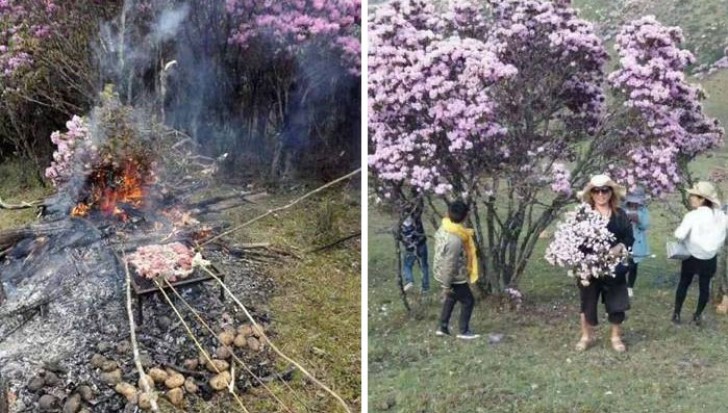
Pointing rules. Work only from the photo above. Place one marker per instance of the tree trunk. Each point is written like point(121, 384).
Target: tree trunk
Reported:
point(4, 408)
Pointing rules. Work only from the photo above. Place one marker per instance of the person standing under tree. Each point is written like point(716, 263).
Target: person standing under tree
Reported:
point(413, 238)
point(703, 232)
point(640, 218)
point(456, 264)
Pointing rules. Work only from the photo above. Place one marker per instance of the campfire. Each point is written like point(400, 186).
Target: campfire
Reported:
point(113, 187)
point(63, 283)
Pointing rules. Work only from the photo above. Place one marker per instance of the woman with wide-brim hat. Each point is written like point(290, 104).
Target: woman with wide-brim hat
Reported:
point(636, 208)
point(703, 232)
point(604, 195)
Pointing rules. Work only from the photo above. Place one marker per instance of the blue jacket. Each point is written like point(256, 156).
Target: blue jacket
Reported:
point(640, 248)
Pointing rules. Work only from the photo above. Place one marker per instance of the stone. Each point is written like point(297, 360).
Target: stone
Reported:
point(47, 403)
point(148, 380)
point(111, 378)
point(164, 323)
point(245, 330)
point(240, 341)
point(190, 386)
point(254, 344)
point(86, 393)
point(226, 338)
point(127, 390)
point(109, 365)
point(176, 396)
point(258, 330)
point(217, 366)
point(123, 348)
point(191, 364)
point(145, 401)
point(51, 379)
point(36, 383)
point(103, 347)
point(73, 404)
point(174, 380)
point(220, 381)
point(97, 360)
point(223, 353)
point(158, 375)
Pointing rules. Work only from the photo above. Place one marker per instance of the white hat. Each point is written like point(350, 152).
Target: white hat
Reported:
point(705, 190)
point(599, 181)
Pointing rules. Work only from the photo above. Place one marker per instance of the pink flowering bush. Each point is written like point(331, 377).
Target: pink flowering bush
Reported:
point(581, 243)
point(506, 102)
point(74, 149)
point(293, 24)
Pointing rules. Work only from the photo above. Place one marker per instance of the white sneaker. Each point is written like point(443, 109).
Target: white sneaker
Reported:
point(629, 292)
point(408, 286)
point(467, 335)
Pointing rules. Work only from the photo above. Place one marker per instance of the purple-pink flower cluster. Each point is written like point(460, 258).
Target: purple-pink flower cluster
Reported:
point(74, 149)
point(668, 121)
point(581, 244)
point(22, 25)
point(332, 24)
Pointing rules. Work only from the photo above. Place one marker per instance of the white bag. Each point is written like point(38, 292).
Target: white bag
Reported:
point(677, 250)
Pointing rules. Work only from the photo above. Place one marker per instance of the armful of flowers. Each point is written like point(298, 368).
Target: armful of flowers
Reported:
point(171, 261)
point(583, 244)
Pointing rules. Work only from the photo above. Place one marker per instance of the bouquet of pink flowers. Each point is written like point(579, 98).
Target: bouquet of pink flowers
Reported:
point(582, 244)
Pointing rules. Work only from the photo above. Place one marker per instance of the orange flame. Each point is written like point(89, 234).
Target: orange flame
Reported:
point(111, 186)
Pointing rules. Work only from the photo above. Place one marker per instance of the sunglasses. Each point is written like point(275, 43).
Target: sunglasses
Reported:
point(602, 190)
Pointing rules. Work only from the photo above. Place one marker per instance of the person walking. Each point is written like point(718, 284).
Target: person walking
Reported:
point(604, 196)
point(702, 232)
point(640, 219)
point(455, 265)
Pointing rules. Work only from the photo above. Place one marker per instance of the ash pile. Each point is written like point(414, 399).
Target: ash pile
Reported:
point(65, 342)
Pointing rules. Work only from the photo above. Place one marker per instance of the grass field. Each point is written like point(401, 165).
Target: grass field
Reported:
point(534, 368)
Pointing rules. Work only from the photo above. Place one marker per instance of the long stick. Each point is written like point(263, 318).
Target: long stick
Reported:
point(236, 358)
point(273, 346)
point(22, 205)
point(273, 211)
point(199, 346)
point(134, 347)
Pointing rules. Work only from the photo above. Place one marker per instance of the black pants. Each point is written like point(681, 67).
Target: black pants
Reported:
point(461, 292)
point(632, 274)
point(705, 269)
point(613, 292)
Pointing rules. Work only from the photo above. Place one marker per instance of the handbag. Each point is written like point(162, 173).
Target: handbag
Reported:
point(677, 250)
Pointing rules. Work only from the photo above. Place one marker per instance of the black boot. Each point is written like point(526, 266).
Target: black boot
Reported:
point(697, 320)
point(676, 318)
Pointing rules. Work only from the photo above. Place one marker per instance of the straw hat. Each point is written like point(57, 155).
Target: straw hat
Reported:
point(637, 196)
point(705, 190)
point(598, 181)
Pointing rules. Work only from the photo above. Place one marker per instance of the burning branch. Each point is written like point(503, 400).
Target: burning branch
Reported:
point(273, 211)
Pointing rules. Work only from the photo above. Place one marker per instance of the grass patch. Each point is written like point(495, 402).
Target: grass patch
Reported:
point(17, 184)
point(317, 304)
point(534, 368)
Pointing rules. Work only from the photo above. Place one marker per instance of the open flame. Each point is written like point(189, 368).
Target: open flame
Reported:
point(113, 186)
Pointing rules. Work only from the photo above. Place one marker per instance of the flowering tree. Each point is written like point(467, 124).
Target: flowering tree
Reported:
point(506, 106)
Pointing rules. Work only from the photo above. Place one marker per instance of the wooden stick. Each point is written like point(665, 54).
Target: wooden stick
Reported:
point(134, 346)
point(22, 205)
point(273, 211)
point(236, 358)
point(273, 346)
point(205, 354)
point(335, 243)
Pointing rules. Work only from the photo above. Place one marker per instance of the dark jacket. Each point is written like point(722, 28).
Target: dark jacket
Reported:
point(620, 225)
